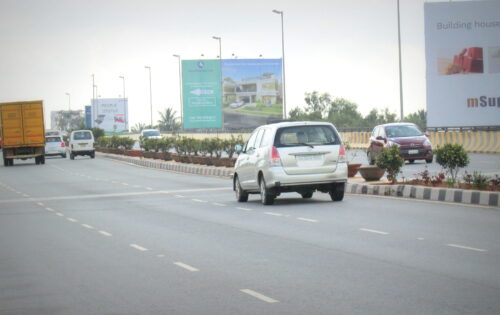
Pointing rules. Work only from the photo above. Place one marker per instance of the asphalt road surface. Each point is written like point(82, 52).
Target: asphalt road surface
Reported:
point(103, 237)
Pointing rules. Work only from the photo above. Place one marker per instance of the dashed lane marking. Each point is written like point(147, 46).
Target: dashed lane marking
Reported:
point(198, 200)
point(179, 196)
point(40, 204)
point(307, 220)
point(138, 247)
point(49, 209)
point(218, 204)
point(185, 266)
point(374, 231)
point(274, 214)
point(149, 188)
point(105, 233)
point(72, 220)
point(259, 296)
point(244, 209)
point(90, 227)
point(467, 247)
point(59, 214)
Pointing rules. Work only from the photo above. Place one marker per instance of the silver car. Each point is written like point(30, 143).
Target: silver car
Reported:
point(54, 145)
point(301, 157)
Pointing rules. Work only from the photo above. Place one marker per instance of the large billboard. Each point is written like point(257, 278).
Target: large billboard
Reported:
point(252, 92)
point(201, 91)
point(110, 114)
point(462, 41)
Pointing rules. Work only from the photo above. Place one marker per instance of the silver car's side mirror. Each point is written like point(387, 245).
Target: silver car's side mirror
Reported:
point(238, 148)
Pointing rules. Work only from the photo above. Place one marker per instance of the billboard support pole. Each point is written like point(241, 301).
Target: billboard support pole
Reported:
point(221, 83)
point(400, 67)
point(180, 91)
point(282, 60)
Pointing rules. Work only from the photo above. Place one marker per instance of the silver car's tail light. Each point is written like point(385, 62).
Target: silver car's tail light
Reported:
point(275, 157)
point(62, 145)
point(342, 154)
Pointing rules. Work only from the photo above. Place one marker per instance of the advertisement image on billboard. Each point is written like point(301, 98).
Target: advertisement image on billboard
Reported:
point(110, 114)
point(462, 43)
point(251, 92)
point(201, 91)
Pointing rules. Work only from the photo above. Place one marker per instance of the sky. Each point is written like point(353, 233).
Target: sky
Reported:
point(348, 49)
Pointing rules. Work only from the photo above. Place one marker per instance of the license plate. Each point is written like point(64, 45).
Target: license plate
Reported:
point(412, 151)
point(315, 157)
point(83, 144)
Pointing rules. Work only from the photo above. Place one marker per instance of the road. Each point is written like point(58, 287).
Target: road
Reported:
point(103, 237)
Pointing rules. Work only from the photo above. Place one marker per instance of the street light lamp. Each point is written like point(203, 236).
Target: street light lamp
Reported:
point(221, 87)
point(150, 94)
point(180, 89)
point(69, 101)
point(282, 60)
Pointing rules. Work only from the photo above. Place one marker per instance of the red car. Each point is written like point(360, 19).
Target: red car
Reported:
point(413, 144)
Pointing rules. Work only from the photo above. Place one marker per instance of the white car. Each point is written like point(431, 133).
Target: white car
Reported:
point(151, 134)
point(301, 157)
point(54, 145)
point(81, 142)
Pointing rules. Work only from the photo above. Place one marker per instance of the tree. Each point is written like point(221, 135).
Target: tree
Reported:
point(419, 118)
point(70, 120)
point(344, 114)
point(138, 127)
point(168, 120)
point(452, 157)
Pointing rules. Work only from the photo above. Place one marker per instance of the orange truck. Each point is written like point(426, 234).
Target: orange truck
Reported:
point(22, 131)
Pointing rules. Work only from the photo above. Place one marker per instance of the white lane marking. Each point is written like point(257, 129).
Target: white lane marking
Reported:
point(142, 249)
point(198, 200)
point(160, 256)
point(420, 238)
point(125, 184)
point(274, 214)
point(187, 267)
point(244, 209)
point(26, 195)
point(72, 220)
point(90, 227)
point(149, 188)
point(467, 247)
point(259, 296)
point(59, 214)
point(374, 231)
point(179, 196)
point(218, 204)
point(40, 204)
point(49, 209)
point(307, 220)
point(105, 233)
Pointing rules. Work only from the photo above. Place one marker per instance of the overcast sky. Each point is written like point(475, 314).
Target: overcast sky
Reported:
point(346, 48)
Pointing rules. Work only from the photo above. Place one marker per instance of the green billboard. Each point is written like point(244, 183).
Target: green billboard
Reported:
point(201, 91)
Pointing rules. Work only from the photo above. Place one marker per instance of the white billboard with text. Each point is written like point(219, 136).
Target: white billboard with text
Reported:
point(462, 46)
point(110, 114)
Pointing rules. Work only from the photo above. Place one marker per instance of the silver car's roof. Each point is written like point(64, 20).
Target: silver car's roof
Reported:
point(296, 123)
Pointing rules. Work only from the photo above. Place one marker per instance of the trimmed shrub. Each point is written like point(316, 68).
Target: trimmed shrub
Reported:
point(452, 157)
point(391, 161)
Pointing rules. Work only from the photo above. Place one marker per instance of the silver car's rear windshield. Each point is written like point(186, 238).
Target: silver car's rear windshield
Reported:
point(402, 131)
point(306, 135)
point(53, 139)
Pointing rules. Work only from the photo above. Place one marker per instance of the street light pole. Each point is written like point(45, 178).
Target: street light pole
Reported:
point(221, 85)
point(126, 111)
point(282, 60)
point(150, 94)
point(69, 101)
point(400, 67)
point(180, 90)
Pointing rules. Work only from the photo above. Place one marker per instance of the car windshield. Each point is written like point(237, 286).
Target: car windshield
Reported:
point(306, 135)
point(402, 131)
point(82, 135)
point(151, 133)
point(52, 139)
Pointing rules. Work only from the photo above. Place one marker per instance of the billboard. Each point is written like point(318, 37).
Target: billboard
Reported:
point(252, 92)
point(201, 91)
point(462, 48)
point(110, 114)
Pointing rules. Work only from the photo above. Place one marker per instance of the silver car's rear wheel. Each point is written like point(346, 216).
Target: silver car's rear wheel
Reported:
point(241, 195)
point(266, 196)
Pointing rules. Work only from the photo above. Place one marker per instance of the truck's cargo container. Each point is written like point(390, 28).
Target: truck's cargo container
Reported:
point(23, 131)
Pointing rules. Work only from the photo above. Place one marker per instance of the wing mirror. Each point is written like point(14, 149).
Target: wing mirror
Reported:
point(381, 139)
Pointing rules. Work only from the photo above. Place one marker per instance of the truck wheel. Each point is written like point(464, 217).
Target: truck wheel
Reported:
point(6, 162)
point(37, 160)
point(42, 159)
point(11, 162)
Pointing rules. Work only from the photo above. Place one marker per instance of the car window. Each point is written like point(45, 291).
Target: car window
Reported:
point(53, 139)
point(251, 142)
point(375, 132)
point(266, 139)
point(258, 140)
point(403, 131)
point(306, 135)
point(381, 132)
point(82, 135)
point(151, 133)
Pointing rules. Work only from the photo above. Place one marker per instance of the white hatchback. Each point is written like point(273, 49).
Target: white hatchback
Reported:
point(54, 145)
point(81, 142)
point(301, 157)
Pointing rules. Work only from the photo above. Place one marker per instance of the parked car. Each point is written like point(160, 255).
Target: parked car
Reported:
point(54, 145)
point(413, 144)
point(150, 134)
point(301, 157)
point(81, 142)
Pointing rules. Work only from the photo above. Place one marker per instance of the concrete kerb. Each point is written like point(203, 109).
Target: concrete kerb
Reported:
point(483, 198)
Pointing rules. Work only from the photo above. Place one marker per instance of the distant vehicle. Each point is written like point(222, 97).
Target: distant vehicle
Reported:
point(54, 145)
point(81, 142)
point(301, 157)
point(236, 104)
point(413, 144)
point(52, 133)
point(150, 134)
point(22, 130)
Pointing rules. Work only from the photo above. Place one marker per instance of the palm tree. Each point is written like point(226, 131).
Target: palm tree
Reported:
point(168, 120)
point(138, 127)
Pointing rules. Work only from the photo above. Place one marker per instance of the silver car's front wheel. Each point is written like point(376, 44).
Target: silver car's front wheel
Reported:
point(241, 195)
